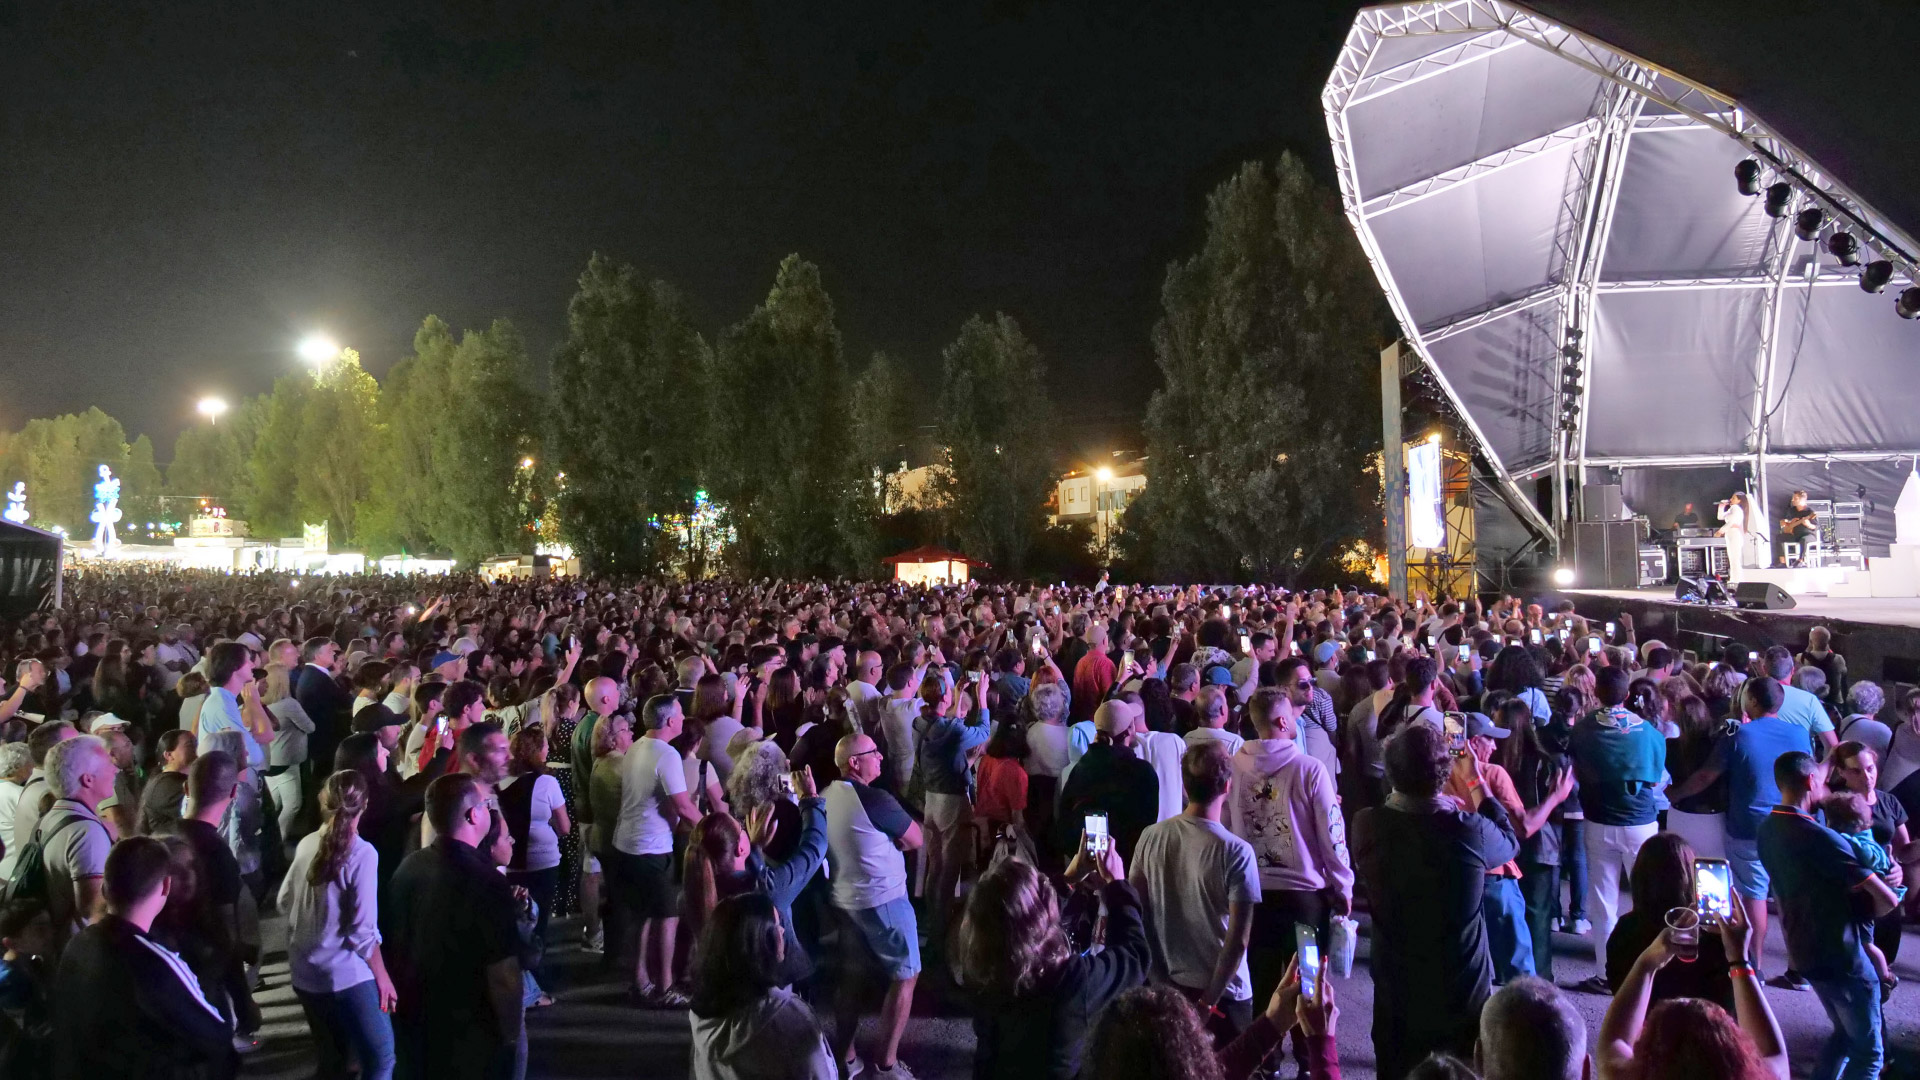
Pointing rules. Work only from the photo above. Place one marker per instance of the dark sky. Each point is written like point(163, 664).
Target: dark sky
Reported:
point(187, 188)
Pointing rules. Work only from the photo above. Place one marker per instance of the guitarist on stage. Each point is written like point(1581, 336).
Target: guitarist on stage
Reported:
point(1799, 524)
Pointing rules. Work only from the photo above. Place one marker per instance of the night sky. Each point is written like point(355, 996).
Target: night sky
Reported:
point(186, 189)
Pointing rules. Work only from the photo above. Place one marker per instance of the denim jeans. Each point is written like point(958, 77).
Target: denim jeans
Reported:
point(1573, 868)
point(1853, 1051)
point(1508, 941)
point(349, 1018)
point(1540, 886)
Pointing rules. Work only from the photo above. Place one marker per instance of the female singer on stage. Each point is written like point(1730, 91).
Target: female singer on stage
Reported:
point(1734, 517)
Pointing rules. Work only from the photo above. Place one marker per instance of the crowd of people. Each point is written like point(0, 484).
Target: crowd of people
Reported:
point(1133, 832)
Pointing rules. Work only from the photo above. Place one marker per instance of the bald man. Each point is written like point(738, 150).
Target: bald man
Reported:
point(602, 700)
point(867, 832)
point(863, 691)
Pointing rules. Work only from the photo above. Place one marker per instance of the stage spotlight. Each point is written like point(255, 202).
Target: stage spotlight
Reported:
point(1747, 175)
point(1875, 275)
point(1844, 247)
point(1571, 371)
point(1779, 198)
point(1908, 305)
point(1563, 577)
point(1571, 352)
point(1807, 224)
point(1573, 333)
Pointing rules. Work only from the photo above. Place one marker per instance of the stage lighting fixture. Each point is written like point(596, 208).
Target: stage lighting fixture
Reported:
point(1779, 198)
point(1844, 247)
point(1573, 333)
point(1807, 224)
point(1908, 305)
point(1563, 577)
point(1572, 408)
point(1571, 352)
point(1747, 175)
point(1571, 371)
point(1875, 275)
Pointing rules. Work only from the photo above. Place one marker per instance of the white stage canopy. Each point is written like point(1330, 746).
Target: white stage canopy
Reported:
point(1521, 187)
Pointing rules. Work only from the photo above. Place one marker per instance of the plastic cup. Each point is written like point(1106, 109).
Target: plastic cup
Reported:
point(1683, 933)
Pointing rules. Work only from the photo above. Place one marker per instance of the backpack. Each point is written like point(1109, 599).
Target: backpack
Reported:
point(30, 870)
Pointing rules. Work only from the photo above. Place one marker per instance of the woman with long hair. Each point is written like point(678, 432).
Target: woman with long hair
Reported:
point(288, 751)
point(1033, 997)
point(746, 1023)
point(563, 716)
point(1737, 521)
point(330, 895)
point(1856, 768)
point(1000, 784)
point(726, 857)
point(1689, 1038)
point(1544, 783)
point(1699, 817)
point(535, 811)
point(1514, 671)
point(1663, 880)
point(1721, 689)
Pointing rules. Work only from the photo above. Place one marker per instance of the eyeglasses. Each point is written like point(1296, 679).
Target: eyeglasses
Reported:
point(1304, 684)
point(862, 754)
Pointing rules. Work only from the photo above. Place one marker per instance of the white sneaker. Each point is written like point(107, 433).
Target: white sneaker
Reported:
point(898, 1072)
point(1583, 927)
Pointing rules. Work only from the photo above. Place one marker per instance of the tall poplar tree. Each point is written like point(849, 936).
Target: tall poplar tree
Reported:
point(627, 423)
point(996, 422)
point(1262, 437)
point(783, 453)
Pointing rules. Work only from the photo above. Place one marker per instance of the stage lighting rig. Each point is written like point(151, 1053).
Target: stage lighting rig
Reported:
point(1808, 223)
point(1747, 175)
point(1907, 306)
point(1875, 275)
point(1779, 199)
point(1844, 247)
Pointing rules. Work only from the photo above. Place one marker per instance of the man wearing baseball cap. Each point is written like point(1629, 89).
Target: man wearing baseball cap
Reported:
point(1501, 904)
point(381, 722)
point(1109, 779)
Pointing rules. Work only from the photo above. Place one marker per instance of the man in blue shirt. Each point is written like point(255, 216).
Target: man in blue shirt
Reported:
point(1825, 895)
point(1618, 759)
point(1799, 708)
point(1747, 761)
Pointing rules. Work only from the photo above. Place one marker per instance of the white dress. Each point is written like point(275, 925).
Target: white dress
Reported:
point(1739, 553)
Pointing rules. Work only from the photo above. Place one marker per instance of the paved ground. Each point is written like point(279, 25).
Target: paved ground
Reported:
point(592, 1033)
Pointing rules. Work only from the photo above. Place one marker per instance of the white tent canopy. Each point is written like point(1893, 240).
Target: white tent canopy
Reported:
point(1520, 186)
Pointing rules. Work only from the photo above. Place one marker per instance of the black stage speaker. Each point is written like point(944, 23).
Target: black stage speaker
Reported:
point(1762, 596)
point(1606, 554)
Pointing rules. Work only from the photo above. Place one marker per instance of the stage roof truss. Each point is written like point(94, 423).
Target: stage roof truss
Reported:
point(1429, 103)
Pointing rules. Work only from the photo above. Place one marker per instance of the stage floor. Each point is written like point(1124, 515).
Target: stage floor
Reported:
point(1885, 611)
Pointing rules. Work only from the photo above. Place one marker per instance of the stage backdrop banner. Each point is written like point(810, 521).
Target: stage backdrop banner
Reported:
point(29, 569)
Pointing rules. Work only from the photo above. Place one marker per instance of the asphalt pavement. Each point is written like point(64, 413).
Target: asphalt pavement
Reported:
point(592, 1033)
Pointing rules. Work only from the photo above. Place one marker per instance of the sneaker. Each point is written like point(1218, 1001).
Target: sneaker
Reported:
point(898, 1071)
point(1582, 927)
point(671, 998)
point(1593, 984)
point(1789, 980)
point(851, 1069)
point(594, 944)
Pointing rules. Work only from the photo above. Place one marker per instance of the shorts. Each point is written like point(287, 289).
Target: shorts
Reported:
point(890, 935)
point(948, 813)
point(643, 884)
point(1749, 874)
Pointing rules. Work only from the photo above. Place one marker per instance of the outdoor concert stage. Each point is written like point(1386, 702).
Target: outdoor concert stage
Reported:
point(1880, 636)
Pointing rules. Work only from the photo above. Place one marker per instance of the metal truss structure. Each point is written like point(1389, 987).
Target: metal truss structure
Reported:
point(1428, 56)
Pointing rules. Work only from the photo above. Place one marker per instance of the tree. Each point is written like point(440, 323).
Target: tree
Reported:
point(627, 424)
point(60, 457)
point(140, 488)
point(276, 463)
point(1260, 440)
point(479, 505)
point(881, 423)
point(311, 461)
point(996, 422)
point(783, 455)
point(403, 488)
point(210, 461)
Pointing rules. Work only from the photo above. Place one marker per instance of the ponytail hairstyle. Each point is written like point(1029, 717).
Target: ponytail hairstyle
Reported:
point(341, 802)
point(715, 838)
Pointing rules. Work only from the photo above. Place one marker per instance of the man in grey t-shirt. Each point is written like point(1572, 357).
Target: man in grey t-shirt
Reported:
point(1198, 884)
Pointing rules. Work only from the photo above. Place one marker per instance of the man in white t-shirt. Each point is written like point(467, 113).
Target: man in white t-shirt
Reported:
point(867, 832)
point(1211, 708)
point(175, 654)
point(863, 690)
point(639, 863)
point(1198, 886)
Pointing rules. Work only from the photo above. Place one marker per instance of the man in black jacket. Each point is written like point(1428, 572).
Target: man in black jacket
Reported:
point(1424, 860)
point(123, 1004)
point(325, 703)
point(1109, 779)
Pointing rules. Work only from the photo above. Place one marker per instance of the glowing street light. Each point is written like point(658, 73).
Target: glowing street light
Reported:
point(318, 349)
point(212, 408)
point(1104, 474)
